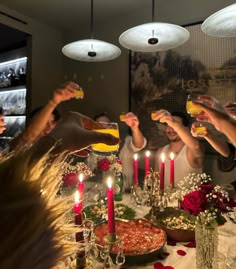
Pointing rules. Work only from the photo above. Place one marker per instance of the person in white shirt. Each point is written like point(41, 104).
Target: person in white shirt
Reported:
point(188, 152)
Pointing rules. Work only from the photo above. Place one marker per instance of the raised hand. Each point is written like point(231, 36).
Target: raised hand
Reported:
point(131, 120)
point(75, 132)
point(210, 114)
point(65, 92)
point(230, 108)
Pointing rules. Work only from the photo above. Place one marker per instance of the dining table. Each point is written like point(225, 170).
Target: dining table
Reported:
point(173, 258)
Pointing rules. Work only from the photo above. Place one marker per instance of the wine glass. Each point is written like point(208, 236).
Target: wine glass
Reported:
point(104, 149)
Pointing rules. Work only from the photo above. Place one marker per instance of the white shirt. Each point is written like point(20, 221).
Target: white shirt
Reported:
point(127, 159)
point(181, 166)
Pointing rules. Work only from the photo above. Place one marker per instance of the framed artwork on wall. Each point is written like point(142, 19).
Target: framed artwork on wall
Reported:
point(162, 80)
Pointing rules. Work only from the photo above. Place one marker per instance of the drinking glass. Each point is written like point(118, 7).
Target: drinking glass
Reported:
point(122, 116)
point(230, 260)
point(190, 107)
point(104, 149)
point(79, 94)
point(199, 128)
point(153, 115)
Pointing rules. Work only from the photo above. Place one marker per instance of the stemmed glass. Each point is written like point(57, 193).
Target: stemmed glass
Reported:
point(104, 149)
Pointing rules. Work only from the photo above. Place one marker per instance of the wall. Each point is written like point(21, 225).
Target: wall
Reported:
point(44, 55)
point(107, 84)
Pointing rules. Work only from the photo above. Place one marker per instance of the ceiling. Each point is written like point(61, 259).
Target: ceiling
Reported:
point(69, 15)
point(64, 14)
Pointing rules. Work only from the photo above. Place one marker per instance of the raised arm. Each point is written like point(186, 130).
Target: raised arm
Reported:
point(137, 137)
point(195, 152)
point(72, 133)
point(223, 122)
point(183, 132)
point(217, 142)
point(36, 126)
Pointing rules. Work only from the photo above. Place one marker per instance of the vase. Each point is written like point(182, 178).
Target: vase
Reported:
point(118, 186)
point(206, 237)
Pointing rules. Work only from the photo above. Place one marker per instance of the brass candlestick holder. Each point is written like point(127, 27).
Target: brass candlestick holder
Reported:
point(112, 240)
point(158, 198)
point(137, 195)
point(79, 237)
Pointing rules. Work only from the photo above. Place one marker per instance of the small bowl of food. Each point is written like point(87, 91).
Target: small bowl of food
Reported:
point(178, 224)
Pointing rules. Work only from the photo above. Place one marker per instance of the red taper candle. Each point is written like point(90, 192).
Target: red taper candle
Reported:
point(172, 169)
point(135, 169)
point(81, 186)
point(147, 162)
point(78, 209)
point(162, 172)
point(110, 205)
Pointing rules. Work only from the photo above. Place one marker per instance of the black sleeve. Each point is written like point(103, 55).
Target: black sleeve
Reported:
point(227, 164)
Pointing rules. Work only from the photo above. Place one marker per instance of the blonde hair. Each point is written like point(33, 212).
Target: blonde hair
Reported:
point(33, 230)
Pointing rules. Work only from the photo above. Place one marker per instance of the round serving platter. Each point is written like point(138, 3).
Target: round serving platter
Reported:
point(142, 240)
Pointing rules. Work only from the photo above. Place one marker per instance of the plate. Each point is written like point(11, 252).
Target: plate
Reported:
point(98, 212)
point(186, 234)
point(142, 241)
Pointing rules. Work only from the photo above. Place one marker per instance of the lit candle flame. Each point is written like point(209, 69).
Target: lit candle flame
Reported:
point(172, 156)
point(135, 156)
point(163, 157)
point(81, 177)
point(148, 153)
point(77, 197)
point(109, 182)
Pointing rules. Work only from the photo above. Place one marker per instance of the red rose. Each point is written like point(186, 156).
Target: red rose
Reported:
point(104, 165)
point(206, 188)
point(219, 202)
point(70, 179)
point(194, 202)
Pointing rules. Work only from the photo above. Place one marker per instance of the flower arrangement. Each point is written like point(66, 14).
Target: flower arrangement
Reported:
point(71, 173)
point(200, 198)
point(110, 163)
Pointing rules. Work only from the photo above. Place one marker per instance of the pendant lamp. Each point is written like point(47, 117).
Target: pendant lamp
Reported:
point(221, 23)
point(155, 36)
point(91, 50)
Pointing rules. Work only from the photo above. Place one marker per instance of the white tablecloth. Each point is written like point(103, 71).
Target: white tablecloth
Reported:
point(227, 237)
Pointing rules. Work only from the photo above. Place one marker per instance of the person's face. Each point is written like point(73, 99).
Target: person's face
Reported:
point(50, 125)
point(171, 133)
point(103, 119)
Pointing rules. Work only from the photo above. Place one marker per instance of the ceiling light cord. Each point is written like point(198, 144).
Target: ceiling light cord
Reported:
point(91, 53)
point(153, 10)
point(153, 40)
point(91, 20)
point(91, 50)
